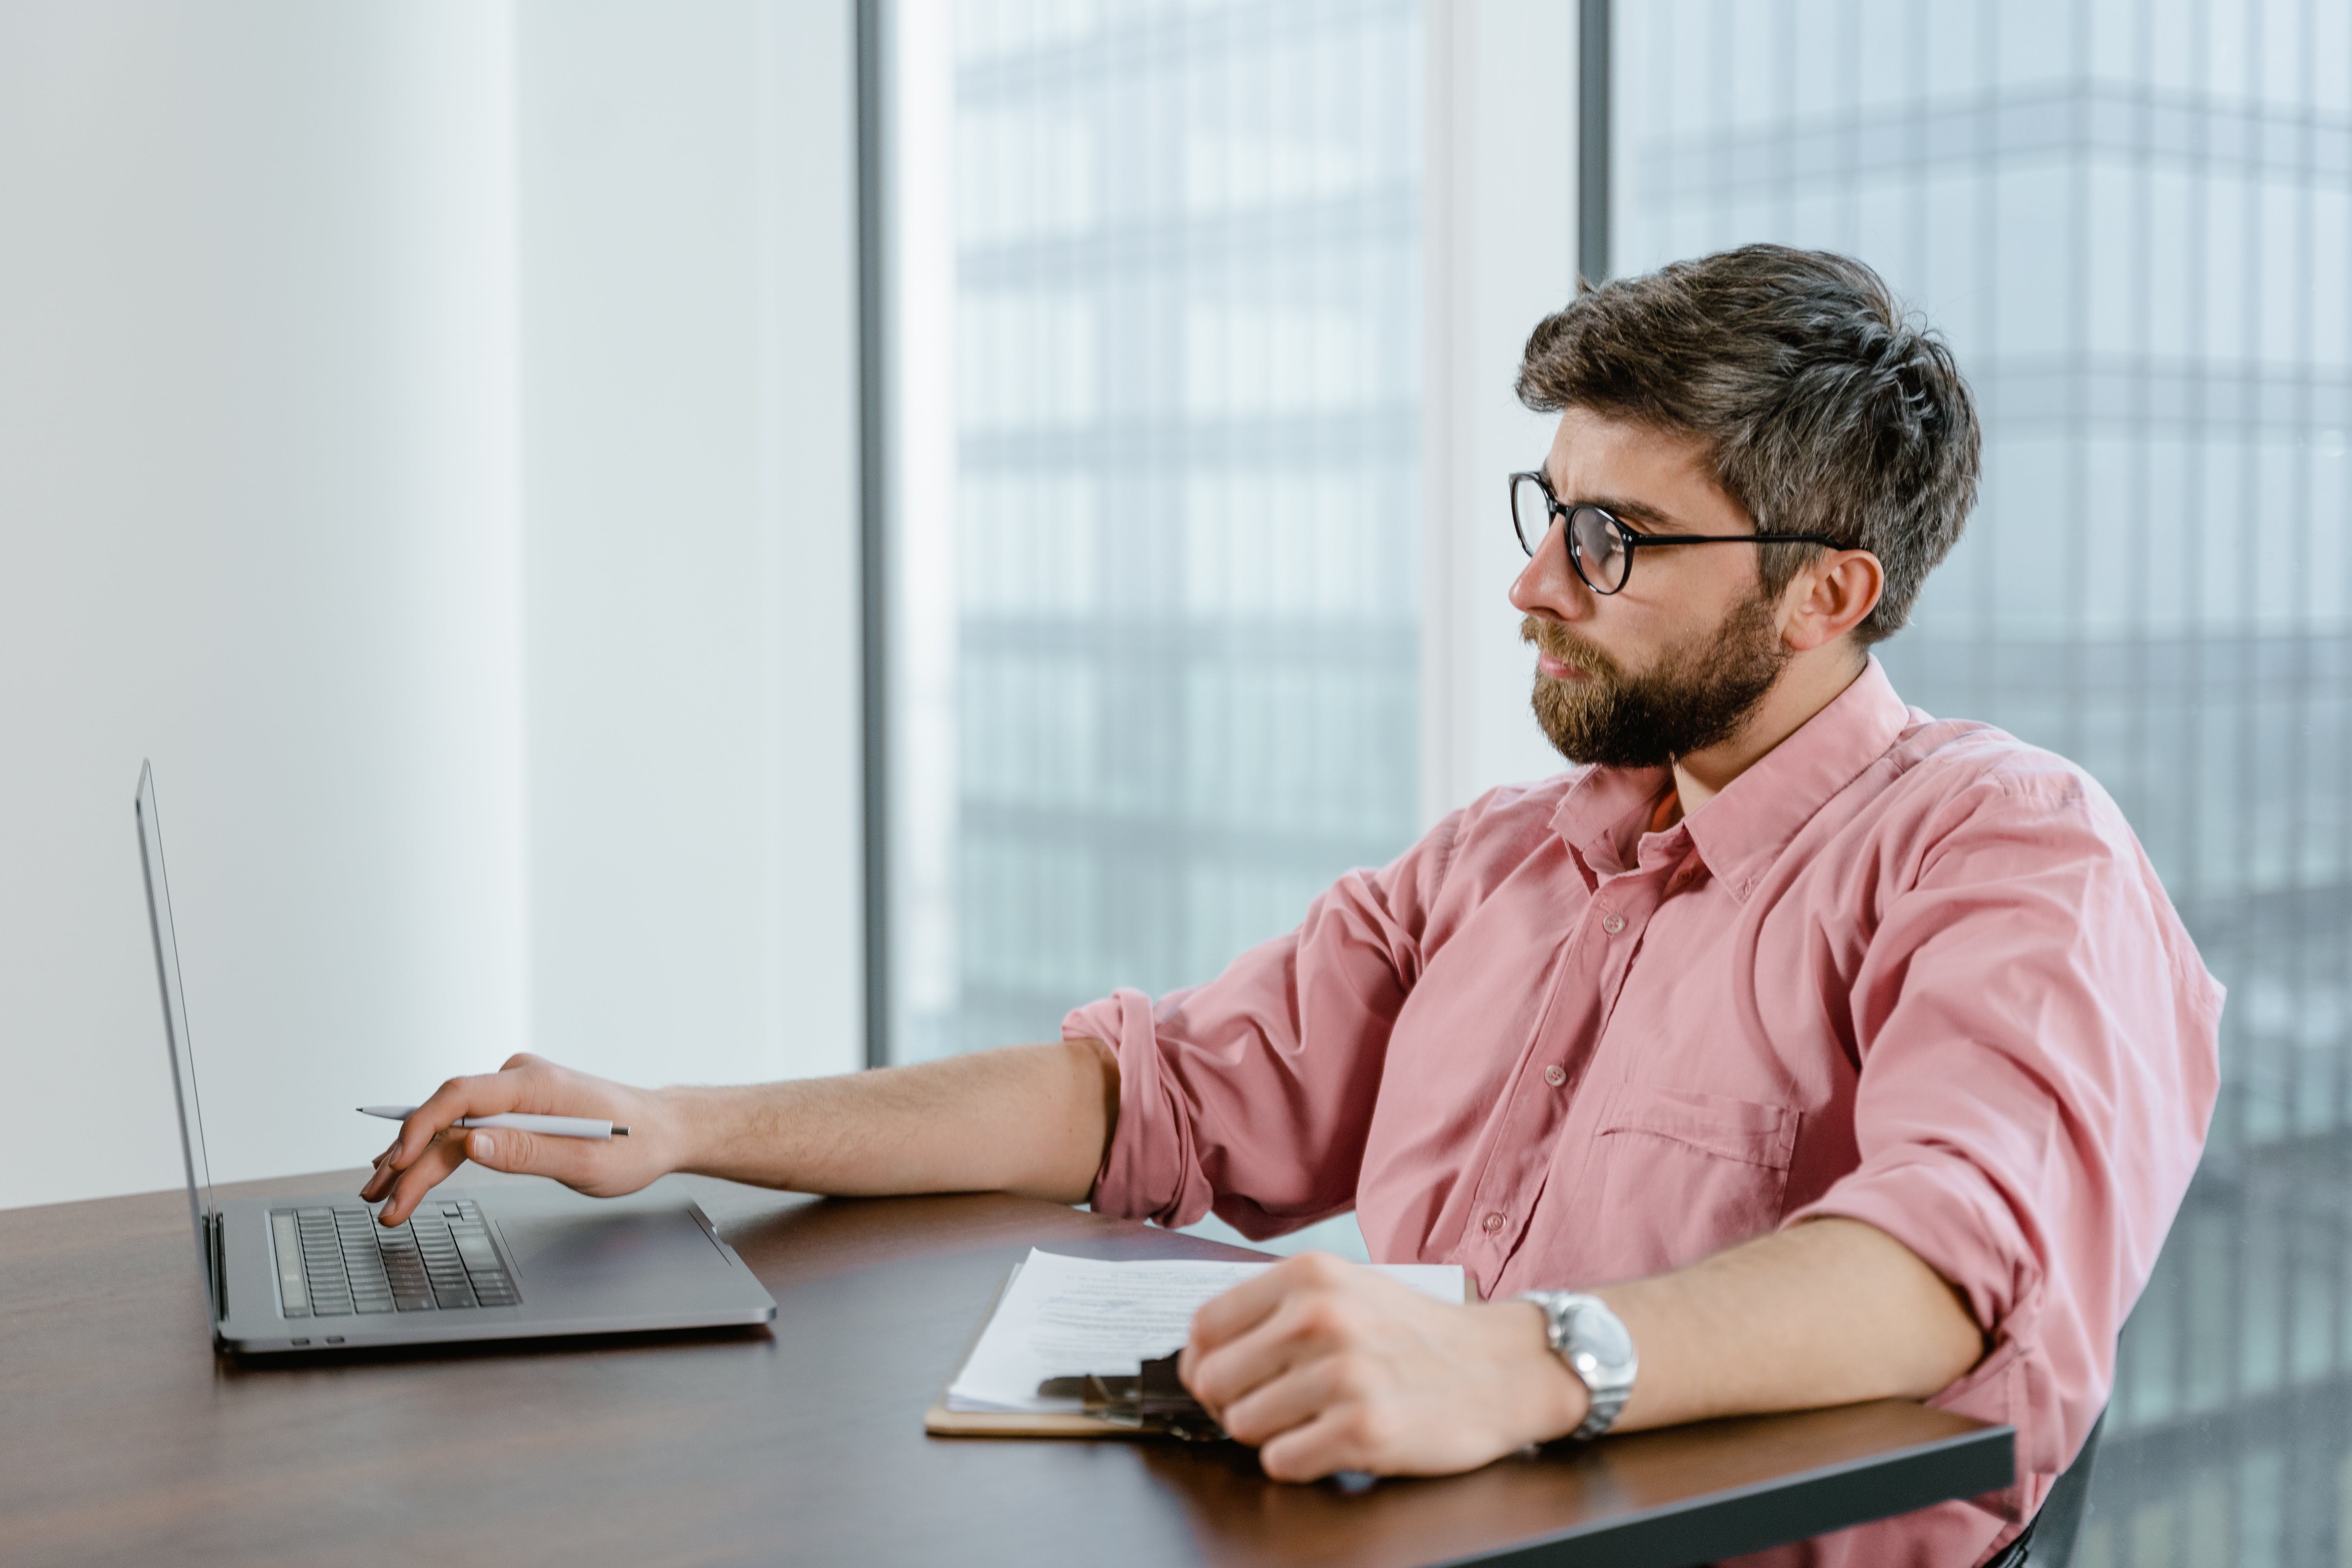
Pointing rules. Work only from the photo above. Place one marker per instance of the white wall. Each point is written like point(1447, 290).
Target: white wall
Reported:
point(1500, 206)
point(277, 509)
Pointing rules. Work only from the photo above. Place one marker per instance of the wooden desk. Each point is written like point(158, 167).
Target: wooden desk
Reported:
point(125, 1439)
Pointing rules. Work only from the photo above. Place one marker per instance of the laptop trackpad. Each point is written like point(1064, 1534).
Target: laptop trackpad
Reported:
point(630, 1247)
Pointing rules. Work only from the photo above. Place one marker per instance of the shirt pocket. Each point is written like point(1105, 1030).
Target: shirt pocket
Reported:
point(1676, 1176)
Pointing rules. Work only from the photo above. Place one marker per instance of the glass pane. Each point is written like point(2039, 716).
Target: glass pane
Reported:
point(2131, 222)
point(1157, 316)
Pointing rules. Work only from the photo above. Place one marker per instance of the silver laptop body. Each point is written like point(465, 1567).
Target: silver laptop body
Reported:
point(309, 1274)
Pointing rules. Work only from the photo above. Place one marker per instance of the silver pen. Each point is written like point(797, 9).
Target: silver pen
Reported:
point(553, 1126)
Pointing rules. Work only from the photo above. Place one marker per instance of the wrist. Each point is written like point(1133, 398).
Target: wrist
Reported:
point(684, 1116)
point(1557, 1399)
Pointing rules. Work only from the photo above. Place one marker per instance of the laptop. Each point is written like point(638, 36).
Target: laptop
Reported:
point(310, 1274)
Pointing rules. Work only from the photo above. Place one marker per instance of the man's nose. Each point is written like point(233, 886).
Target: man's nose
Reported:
point(1548, 584)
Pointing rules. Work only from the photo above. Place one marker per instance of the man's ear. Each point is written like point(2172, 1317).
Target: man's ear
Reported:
point(1829, 597)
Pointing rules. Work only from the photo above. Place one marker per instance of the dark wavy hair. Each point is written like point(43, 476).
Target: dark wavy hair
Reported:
point(1822, 409)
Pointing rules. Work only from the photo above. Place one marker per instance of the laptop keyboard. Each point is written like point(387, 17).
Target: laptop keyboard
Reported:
point(338, 1262)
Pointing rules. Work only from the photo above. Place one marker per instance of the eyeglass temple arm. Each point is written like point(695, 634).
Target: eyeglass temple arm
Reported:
point(1559, 509)
point(1635, 540)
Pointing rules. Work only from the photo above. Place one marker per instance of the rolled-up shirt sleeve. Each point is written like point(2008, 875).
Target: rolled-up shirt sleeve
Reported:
point(2038, 1065)
point(1253, 1094)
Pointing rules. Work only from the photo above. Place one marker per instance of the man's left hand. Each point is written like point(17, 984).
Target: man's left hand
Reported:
point(1327, 1365)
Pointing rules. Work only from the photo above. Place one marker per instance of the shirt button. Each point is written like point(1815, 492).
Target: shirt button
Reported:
point(1612, 924)
point(1493, 1223)
point(1555, 1075)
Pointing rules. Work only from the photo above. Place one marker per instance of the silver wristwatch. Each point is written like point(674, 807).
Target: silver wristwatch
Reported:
point(1592, 1341)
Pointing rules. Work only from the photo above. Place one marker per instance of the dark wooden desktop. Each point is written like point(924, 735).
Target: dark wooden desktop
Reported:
point(125, 1439)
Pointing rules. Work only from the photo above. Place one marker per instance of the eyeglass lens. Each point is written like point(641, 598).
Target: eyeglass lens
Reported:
point(1597, 551)
point(1530, 511)
point(1601, 551)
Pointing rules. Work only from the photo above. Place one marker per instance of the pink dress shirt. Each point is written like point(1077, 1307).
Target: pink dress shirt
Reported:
point(1909, 971)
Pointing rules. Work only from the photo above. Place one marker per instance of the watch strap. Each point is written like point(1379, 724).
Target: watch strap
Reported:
point(1600, 1413)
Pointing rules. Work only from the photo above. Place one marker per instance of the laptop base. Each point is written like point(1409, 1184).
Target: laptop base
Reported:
point(569, 1265)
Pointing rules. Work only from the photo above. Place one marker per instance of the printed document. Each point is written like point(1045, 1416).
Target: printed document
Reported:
point(1065, 1317)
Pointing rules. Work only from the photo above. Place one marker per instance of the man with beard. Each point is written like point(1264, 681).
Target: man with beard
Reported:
point(1792, 1048)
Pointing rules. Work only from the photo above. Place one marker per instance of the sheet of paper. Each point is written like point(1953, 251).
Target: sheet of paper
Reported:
point(1064, 1316)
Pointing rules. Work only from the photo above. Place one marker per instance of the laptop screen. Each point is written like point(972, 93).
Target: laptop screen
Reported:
point(175, 1026)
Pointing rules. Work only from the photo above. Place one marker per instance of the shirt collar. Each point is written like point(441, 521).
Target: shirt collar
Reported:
point(1742, 831)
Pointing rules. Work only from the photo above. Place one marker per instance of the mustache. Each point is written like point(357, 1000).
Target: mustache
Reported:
point(1557, 641)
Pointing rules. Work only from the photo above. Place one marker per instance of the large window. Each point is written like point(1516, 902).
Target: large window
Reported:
point(1154, 525)
point(2131, 220)
point(1157, 347)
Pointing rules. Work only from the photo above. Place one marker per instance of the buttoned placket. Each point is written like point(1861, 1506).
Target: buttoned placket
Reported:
point(1599, 957)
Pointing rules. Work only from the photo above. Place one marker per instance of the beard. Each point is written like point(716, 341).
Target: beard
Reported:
point(1696, 696)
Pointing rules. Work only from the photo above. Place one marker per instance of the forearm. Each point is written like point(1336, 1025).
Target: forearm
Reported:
point(1327, 1366)
point(1034, 1119)
point(1824, 1313)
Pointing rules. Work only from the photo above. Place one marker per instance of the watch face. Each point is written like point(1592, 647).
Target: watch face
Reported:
point(1602, 1337)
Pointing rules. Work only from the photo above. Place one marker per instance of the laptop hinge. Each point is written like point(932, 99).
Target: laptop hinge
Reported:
point(216, 1260)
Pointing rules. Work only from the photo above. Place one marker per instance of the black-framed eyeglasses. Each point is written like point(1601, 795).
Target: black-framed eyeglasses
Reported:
point(1601, 548)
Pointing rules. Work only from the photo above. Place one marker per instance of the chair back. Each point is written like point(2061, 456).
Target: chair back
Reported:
point(2049, 1541)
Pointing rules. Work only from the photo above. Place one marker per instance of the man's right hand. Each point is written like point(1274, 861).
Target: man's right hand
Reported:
point(431, 1145)
point(1023, 1118)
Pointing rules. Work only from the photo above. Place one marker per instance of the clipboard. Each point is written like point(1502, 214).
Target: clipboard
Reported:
point(1158, 1401)
point(941, 1421)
